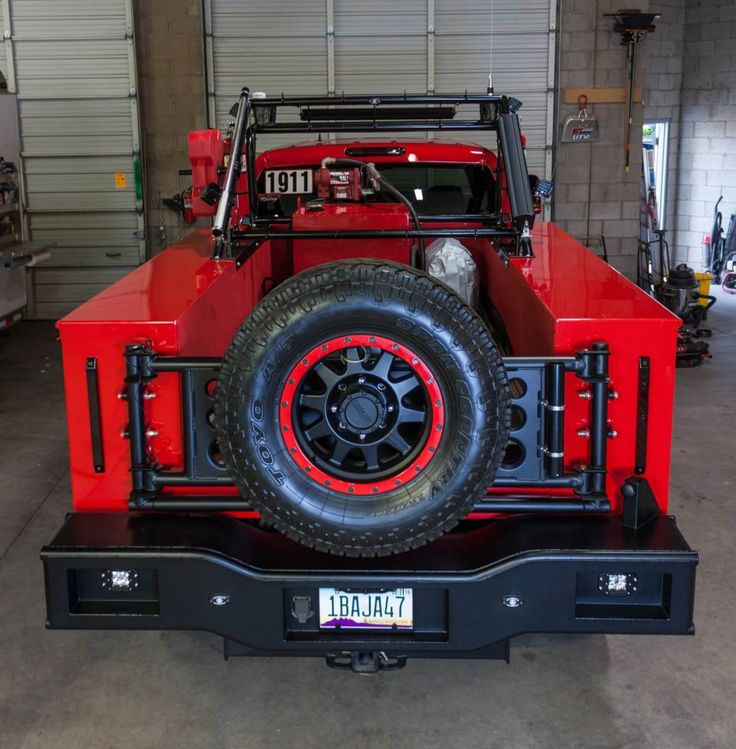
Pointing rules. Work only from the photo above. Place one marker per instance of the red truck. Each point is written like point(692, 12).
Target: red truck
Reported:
point(377, 411)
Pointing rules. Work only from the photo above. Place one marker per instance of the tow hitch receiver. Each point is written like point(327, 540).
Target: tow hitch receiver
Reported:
point(365, 661)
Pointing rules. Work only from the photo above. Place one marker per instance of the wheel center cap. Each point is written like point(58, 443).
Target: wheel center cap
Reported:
point(361, 412)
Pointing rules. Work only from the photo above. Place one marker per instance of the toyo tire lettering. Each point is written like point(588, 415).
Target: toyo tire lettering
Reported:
point(378, 408)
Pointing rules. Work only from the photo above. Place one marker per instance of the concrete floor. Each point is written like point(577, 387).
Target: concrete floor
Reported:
point(69, 690)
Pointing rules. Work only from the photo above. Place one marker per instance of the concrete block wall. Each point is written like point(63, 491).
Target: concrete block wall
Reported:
point(662, 91)
point(594, 196)
point(171, 82)
point(707, 154)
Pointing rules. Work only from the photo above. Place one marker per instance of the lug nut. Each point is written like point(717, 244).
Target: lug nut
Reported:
point(361, 380)
point(390, 408)
point(342, 425)
point(382, 425)
point(362, 436)
point(333, 408)
point(342, 386)
point(381, 386)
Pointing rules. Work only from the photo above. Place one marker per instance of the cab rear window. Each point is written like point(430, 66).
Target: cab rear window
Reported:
point(433, 189)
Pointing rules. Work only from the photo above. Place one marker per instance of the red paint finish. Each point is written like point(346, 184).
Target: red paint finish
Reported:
point(415, 151)
point(311, 252)
point(185, 303)
point(207, 150)
point(303, 154)
point(206, 153)
point(434, 401)
point(563, 300)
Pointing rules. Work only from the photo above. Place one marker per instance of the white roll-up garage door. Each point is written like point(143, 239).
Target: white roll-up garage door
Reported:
point(279, 46)
point(4, 52)
point(73, 68)
point(384, 46)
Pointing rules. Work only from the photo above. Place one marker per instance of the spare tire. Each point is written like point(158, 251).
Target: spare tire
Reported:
point(362, 408)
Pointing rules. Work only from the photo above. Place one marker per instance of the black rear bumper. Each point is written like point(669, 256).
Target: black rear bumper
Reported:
point(266, 585)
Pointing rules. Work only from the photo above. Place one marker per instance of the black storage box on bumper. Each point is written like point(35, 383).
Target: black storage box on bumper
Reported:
point(473, 589)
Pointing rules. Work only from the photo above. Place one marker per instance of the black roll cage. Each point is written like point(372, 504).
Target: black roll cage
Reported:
point(256, 114)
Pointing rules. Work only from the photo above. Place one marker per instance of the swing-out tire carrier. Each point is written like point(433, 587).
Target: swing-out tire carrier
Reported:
point(473, 590)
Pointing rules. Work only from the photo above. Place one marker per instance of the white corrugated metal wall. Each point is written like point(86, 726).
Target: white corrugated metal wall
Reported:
point(4, 53)
point(73, 68)
point(275, 46)
point(72, 65)
point(382, 46)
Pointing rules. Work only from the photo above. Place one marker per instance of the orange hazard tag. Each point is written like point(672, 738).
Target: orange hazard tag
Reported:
point(121, 180)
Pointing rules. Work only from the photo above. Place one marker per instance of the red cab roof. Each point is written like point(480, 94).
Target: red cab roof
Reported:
point(414, 151)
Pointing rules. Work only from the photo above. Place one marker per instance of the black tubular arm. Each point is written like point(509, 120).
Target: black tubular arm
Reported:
point(517, 176)
point(221, 224)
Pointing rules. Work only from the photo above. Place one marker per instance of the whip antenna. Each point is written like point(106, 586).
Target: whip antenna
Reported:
point(490, 54)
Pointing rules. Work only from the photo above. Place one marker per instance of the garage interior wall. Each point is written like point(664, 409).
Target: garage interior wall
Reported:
point(417, 46)
point(706, 165)
point(594, 196)
point(74, 71)
point(171, 81)
point(663, 86)
point(72, 65)
point(5, 53)
point(691, 83)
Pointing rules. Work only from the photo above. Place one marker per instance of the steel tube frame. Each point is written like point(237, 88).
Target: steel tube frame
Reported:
point(246, 129)
point(137, 370)
point(375, 100)
point(599, 418)
point(377, 125)
point(222, 217)
point(563, 481)
point(372, 233)
point(481, 218)
point(554, 415)
point(589, 483)
point(506, 505)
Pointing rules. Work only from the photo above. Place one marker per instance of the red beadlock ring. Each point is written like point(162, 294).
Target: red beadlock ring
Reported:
point(434, 400)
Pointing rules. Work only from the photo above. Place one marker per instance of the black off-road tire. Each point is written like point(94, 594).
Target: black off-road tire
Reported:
point(381, 299)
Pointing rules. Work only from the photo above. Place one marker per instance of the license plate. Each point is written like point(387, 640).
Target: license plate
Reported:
point(386, 609)
point(289, 181)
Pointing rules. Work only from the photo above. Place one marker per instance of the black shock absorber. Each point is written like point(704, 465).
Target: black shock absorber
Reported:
point(554, 419)
point(599, 417)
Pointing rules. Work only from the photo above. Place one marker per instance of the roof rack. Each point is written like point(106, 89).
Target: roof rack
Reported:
point(257, 113)
point(396, 112)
